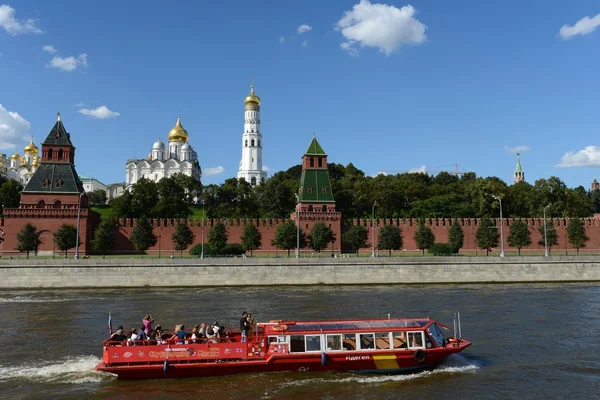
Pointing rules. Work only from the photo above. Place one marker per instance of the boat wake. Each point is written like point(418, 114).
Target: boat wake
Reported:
point(72, 370)
point(34, 299)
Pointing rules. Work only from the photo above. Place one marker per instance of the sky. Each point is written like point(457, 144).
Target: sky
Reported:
point(389, 86)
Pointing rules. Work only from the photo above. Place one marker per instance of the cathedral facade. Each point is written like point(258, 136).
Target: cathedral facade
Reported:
point(176, 156)
point(21, 168)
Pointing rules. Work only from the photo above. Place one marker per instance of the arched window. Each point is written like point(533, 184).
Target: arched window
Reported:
point(253, 181)
point(324, 189)
point(57, 204)
point(320, 162)
point(252, 143)
point(324, 208)
point(60, 154)
point(45, 182)
point(312, 162)
point(49, 154)
point(259, 143)
point(309, 189)
point(246, 143)
point(59, 183)
point(310, 208)
point(41, 204)
point(262, 180)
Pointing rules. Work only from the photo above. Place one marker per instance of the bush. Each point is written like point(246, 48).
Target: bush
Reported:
point(232, 249)
point(441, 249)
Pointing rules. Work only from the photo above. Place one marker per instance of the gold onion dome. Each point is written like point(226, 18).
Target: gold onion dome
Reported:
point(35, 162)
point(178, 134)
point(31, 148)
point(16, 156)
point(252, 98)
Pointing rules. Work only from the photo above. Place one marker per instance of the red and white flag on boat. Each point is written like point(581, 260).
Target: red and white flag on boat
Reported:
point(109, 324)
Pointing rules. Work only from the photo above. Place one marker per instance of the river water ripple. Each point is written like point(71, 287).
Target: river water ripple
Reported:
point(534, 341)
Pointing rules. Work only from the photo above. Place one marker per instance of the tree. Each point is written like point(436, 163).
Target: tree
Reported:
point(320, 237)
point(424, 237)
point(551, 235)
point(487, 235)
point(97, 197)
point(356, 237)
point(65, 238)
point(143, 198)
point(519, 235)
point(182, 237)
point(456, 237)
point(28, 239)
point(251, 238)
point(285, 236)
point(143, 236)
point(390, 238)
point(171, 200)
point(10, 193)
point(217, 238)
point(104, 237)
point(576, 234)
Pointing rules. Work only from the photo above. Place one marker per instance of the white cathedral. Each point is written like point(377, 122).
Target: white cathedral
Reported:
point(178, 157)
point(251, 168)
point(21, 168)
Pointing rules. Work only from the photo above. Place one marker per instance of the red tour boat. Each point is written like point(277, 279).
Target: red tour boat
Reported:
point(386, 346)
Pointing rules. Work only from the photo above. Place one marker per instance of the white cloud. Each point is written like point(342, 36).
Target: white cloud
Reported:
point(49, 49)
point(380, 26)
point(281, 40)
point(305, 43)
point(582, 27)
point(421, 170)
point(304, 28)
point(265, 168)
point(516, 149)
point(588, 157)
point(69, 64)
point(101, 112)
point(79, 105)
point(12, 25)
point(213, 171)
point(13, 128)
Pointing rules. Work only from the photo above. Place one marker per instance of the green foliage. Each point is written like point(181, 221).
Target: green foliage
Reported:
point(456, 236)
point(356, 237)
point(231, 249)
point(196, 250)
point(183, 237)
point(441, 249)
point(28, 239)
point(424, 237)
point(10, 193)
point(286, 236)
point(390, 238)
point(551, 235)
point(65, 237)
point(171, 200)
point(320, 237)
point(104, 237)
point(487, 235)
point(519, 235)
point(217, 238)
point(576, 234)
point(142, 235)
point(97, 197)
point(251, 238)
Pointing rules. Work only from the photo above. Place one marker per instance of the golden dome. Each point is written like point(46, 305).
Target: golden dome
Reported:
point(178, 134)
point(16, 156)
point(149, 158)
point(31, 148)
point(35, 162)
point(252, 98)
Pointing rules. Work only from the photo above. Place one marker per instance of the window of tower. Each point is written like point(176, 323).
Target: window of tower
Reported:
point(312, 162)
point(259, 143)
point(262, 180)
point(320, 162)
point(49, 154)
point(252, 141)
point(324, 189)
point(309, 189)
point(324, 208)
point(57, 204)
point(41, 204)
point(253, 181)
point(246, 144)
point(310, 208)
point(60, 154)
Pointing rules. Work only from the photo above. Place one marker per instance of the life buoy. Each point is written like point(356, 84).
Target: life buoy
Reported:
point(420, 356)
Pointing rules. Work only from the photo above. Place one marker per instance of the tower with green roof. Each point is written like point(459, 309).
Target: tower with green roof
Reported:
point(519, 173)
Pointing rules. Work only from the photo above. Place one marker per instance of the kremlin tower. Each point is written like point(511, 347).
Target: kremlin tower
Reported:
point(251, 168)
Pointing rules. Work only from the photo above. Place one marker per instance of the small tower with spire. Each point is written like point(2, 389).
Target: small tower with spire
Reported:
point(519, 173)
point(251, 167)
point(595, 185)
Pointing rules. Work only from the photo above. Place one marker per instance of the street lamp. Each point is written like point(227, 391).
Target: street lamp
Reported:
point(298, 223)
point(373, 229)
point(159, 237)
point(202, 252)
point(546, 232)
point(78, 223)
point(501, 228)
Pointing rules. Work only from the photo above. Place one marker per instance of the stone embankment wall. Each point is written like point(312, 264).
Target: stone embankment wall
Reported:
point(99, 273)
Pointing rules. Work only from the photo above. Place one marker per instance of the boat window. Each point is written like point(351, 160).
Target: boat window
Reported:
point(297, 344)
point(334, 342)
point(313, 342)
point(349, 341)
point(436, 334)
point(367, 341)
point(428, 343)
point(382, 340)
point(399, 340)
point(415, 339)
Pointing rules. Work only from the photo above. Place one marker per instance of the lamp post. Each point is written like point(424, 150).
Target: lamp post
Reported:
point(159, 237)
point(373, 229)
point(202, 252)
point(546, 232)
point(501, 227)
point(78, 223)
point(298, 224)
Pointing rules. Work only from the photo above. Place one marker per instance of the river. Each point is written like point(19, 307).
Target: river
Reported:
point(533, 341)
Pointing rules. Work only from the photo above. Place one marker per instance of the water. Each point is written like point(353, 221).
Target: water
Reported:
point(530, 341)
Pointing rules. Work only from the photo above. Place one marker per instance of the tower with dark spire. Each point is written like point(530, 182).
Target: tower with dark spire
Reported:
point(519, 173)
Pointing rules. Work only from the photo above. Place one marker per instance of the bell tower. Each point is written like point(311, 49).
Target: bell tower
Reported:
point(519, 173)
point(251, 163)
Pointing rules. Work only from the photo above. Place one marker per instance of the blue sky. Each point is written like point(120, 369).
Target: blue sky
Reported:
point(388, 86)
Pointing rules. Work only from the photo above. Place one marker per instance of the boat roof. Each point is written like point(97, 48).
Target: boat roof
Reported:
point(297, 326)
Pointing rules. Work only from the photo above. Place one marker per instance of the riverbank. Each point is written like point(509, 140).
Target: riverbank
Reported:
point(109, 273)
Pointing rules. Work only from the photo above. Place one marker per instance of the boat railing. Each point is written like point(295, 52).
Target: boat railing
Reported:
point(231, 334)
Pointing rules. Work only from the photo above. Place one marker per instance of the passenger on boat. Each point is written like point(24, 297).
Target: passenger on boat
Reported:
point(244, 326)
point(179, 334)
point(250, 324)
point(132, 337)
point(212, 334)
point(159, 334)
point(196, 334)
point(141, 334)
point(148, 320)
point(118, 336)
point(152, 338)
point(202, 330)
